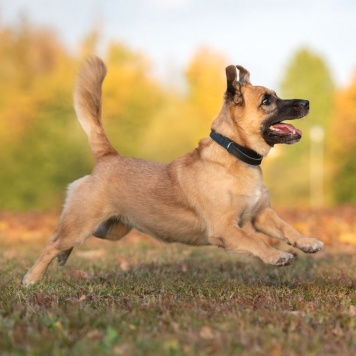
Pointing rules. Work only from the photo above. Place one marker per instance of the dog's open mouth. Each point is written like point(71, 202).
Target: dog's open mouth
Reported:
point(282, 132)
point(274, 130)
point(282, 128)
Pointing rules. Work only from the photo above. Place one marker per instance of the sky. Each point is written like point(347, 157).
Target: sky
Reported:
point(261, 35)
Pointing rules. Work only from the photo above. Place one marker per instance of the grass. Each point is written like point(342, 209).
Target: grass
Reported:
point(146, 298)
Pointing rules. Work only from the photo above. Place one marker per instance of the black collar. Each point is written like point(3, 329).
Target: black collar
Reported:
point(242, 153)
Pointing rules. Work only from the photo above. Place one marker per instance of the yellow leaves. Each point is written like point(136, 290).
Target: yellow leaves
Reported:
point(30, 61)
point(344, 120)
point(142, 116)
point(182, 120)
point(352, 310)
point(126, 76)
point(91, 254)
point(174, 130)
point(26, 226)
point(206, 78)
point(348, 237)
point(118, 89)
point(331, 225)
point(79, 275)
point(341, 140)
point(346, 98)
point(206, 333)
point(17, 113)
point(58, 325)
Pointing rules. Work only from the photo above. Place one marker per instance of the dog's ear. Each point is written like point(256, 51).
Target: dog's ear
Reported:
point(244, 75)
point(234, 84)
point(231, 79)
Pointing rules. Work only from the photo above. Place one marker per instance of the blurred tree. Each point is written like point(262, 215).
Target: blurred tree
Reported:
point(131, 97)
point(172, 131)
point(341, 134)
point(43, 147)
point(206, 85)
point(287, 171)
point(41, 144)
point(184, 118)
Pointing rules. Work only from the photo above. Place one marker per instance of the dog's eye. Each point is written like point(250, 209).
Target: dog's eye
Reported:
point(266, 100)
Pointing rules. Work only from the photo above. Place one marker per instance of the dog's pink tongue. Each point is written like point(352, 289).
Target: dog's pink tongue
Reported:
point(286, 128)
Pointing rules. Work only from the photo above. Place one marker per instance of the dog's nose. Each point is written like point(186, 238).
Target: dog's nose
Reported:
point(304, 103)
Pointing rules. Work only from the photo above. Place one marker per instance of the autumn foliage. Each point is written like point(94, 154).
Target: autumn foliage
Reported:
point(334, 226)
point(342, 133)
point(42, 147)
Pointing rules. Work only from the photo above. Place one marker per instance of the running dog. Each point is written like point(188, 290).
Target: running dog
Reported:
point(214, 195)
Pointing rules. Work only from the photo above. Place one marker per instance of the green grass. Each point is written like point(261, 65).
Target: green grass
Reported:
point(153, 299)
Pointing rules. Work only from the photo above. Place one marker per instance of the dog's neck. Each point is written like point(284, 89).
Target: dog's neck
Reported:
point(244, 154)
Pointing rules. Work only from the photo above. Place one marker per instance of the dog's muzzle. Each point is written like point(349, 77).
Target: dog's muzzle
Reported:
point(274, 130)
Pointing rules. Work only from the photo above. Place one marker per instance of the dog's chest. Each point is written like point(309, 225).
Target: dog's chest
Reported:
point(234, 190)
point(253, 199)
point(252, 205)
point(246, 197)
point(247, 200)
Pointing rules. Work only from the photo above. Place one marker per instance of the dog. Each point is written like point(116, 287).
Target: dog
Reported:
point(214, 195)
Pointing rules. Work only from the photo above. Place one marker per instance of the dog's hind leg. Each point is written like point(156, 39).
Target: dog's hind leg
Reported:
point(73, 229)
point(39, 268)
point(62, 243)
point(63, 240)
point(111, 229)
point(82, 214)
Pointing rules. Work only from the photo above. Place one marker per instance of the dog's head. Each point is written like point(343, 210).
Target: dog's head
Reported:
point(254, 115)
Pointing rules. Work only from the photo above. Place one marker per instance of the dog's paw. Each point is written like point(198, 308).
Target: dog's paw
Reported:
point(309, 245)
point(27, 280)
point(285, 260)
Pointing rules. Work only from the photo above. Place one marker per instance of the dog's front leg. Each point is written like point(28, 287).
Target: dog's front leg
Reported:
point(234, 239)
point(268, 222)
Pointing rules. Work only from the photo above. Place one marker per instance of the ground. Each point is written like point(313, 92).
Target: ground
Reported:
point(142, 297)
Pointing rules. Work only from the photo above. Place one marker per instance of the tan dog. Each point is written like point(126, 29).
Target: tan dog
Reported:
point(212, 196)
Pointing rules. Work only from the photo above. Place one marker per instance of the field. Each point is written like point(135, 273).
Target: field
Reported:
point(142, 297)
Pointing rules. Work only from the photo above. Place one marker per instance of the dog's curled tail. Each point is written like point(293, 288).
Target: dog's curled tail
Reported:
point(87, 104)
